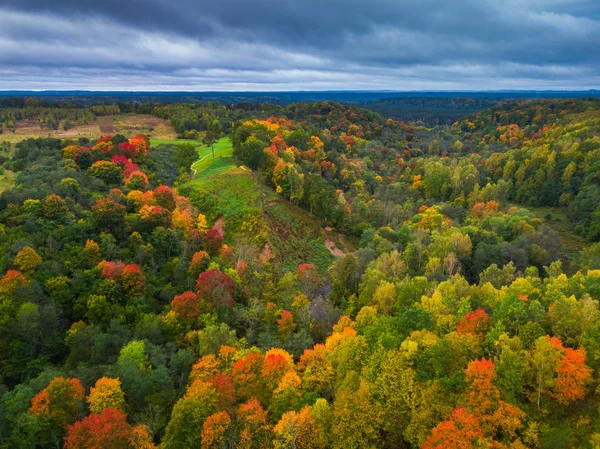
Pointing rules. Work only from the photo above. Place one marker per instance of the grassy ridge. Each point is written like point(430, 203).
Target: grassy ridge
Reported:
point(255, 214)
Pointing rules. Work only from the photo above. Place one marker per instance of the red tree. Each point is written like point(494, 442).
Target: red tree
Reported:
point(213, 241)
point(476, 322)
point(224, 386)
point(133, 280)
point(108, 429)
point(165, 197)
point(111, 270)
point(216, 288)
point(186, 305)
point(128, 150)
point(573, 376)
point(460, 431)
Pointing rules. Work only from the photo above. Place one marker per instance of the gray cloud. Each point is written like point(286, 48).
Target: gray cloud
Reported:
point(299, 44)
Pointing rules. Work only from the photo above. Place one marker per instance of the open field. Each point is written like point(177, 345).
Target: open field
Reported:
point(126, 124)
point(174, 142)
point(222, 157)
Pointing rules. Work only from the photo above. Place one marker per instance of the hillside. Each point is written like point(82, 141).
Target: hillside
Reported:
point(284, 234)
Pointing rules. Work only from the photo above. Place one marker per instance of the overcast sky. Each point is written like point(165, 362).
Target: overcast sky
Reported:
point(299, 44)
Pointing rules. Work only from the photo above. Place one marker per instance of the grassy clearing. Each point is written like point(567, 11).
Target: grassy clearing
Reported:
point(196, 143)
point(255, 214)
point(126, 124)
point(223, 149)
point(153, 127)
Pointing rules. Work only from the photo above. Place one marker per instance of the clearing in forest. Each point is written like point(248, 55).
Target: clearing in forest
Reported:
point(126, 124)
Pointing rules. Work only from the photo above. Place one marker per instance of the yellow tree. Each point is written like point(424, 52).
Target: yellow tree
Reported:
point(299, 430)
point(27, 260)
point(107, 393)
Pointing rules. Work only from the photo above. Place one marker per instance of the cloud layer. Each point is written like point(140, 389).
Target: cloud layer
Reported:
point(299, 44)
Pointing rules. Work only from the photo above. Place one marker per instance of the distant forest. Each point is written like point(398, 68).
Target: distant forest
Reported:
point(429, 108)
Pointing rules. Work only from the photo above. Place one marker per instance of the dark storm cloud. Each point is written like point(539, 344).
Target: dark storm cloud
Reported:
point(302, 44)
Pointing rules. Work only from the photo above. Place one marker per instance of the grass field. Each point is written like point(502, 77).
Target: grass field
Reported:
point(255, 214)
point(126, 124)
point(222, 159)
point(174, 142)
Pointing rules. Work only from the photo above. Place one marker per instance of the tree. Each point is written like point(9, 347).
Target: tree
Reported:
point(316, 371)
point(133, 280)
point(109, 172)
point(199, 263)
point(572, 376)
point(109, 215)
point(542, 365)
point(214, 430)
point(106, 393)
point(137, 180)
point(213, 241)
point(27, 260)
point(186, 306)
point(127, 149)
point(211, 135)
point(165, 197)
point(140, 142)
point(476, 322)
point(460, 431)
point(251, 152)
point(107, 430)
point(188, 416)
point(185, 155)
point(255, 432)
point(299, 430)
point(286, 325)
point(61, 401)
point(83, 157)
point(223, 384)
point(55, 207)
point(357, 420)
point(12, 280)
point(247, 376)
point(216, 288)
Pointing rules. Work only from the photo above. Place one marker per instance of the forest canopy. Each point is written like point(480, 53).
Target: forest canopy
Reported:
point(313, 275)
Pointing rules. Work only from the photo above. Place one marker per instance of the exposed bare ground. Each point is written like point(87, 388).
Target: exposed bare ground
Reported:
point(333, 242)
point(106, 125)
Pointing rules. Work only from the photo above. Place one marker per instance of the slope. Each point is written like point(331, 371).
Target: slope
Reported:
point(254, 215)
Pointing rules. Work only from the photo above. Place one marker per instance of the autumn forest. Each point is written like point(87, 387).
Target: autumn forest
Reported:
point(300, 275)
